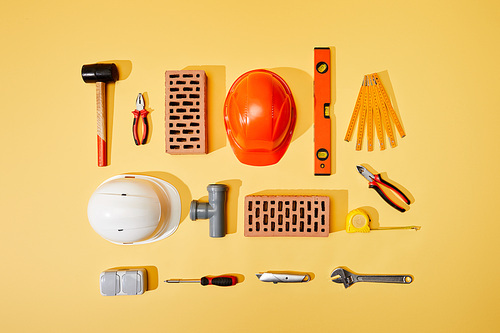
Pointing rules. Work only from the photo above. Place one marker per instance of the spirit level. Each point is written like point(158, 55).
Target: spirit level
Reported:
point(322, 99)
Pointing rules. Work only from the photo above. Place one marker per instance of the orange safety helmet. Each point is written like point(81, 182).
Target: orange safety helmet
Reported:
point(260, 116)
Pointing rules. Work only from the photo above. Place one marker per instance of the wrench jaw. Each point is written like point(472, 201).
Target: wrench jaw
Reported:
point(340, 275)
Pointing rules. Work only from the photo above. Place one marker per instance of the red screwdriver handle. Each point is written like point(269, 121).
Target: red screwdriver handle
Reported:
point(222, 281)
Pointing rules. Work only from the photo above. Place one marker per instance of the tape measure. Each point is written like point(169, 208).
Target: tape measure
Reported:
point(373, 105)
point(322, 100)
point(359, 221)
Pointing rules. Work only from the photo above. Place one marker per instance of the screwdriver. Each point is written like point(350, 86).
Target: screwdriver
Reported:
point(222, 281)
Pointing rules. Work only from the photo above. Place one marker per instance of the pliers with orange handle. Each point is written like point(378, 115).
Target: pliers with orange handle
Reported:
point(140, 112)
point(375, 182)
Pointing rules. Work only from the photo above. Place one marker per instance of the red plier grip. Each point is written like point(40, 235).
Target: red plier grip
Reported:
point(222, 281)
point(145, 126)
point(375, 185)
point(134, 127)
point(143, 114)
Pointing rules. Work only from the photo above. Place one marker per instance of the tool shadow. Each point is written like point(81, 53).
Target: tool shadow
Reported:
point(374, 216)
point(333, 119)
point(181, 187)
point(386, 82)
point(145, 95)
point(216, 92)
point(239, 277)
point(124, 70)
point(152, 282)
point(333, 100)
point(300, 84)
point(338, 203)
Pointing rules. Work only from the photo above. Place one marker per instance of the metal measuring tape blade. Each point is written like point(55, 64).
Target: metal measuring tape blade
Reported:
point(373, 107)
point(359, 221)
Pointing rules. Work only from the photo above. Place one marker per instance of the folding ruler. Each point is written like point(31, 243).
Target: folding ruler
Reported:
point(322, 98)
point(373, 105)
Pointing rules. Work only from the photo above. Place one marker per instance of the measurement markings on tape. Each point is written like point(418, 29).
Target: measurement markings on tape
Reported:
point(362, 115)
point(369, 117)
point(387, 101)
point(378, 122)
point(386, 120)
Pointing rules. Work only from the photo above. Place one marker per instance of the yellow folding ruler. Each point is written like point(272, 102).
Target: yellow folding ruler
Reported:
point(374, 106)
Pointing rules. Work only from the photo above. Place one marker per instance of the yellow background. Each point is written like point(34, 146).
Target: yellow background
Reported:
point(440, 60)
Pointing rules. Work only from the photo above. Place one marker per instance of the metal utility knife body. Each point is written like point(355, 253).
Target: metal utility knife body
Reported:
point(282, 277)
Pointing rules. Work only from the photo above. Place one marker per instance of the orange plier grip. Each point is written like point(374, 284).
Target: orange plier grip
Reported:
point(375, 185)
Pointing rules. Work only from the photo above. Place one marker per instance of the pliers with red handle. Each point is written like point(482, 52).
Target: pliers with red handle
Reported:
point(140, 112)
point(374, 182)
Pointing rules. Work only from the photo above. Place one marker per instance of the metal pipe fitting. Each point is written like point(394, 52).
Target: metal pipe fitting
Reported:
point(214, 210)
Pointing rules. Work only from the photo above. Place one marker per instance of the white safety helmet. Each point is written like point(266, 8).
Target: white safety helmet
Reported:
point(134, 209)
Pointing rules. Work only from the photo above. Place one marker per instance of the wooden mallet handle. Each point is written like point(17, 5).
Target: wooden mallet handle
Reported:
point(102, 155)
point(100, 74)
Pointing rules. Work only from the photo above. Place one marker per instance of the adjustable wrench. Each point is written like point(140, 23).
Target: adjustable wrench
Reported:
point(341, 275)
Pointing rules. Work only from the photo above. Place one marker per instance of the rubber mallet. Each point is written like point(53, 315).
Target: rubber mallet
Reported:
point(100, 74)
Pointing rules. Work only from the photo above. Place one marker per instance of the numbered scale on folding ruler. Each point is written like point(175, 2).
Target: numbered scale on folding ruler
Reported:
point(373, 105)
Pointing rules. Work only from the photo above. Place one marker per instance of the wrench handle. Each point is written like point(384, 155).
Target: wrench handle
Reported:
point(404, 279)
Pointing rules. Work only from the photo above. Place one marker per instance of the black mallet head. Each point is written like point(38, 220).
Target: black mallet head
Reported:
point(99, 73)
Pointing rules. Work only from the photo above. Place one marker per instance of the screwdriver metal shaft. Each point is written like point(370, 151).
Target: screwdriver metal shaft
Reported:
point(182, 281)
